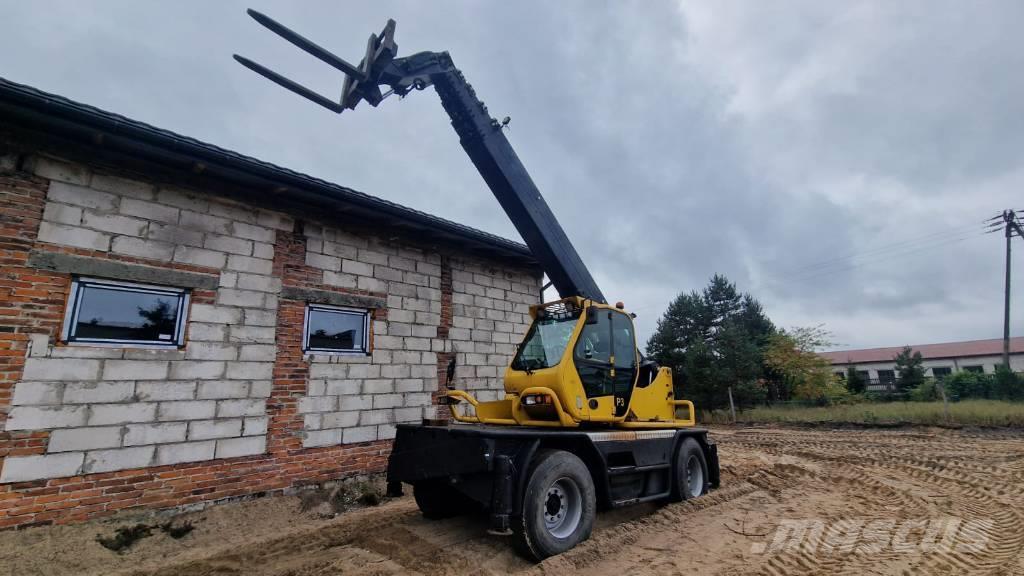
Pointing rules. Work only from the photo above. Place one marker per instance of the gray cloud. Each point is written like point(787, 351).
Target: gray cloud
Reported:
point(672, 140)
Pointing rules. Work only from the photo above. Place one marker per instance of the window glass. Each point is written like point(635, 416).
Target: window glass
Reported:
point(593, 355)
point(336, 329)
point(886, 376)
point(625, 361)
point(941, 371)
point(624, 345)
point(124, 313)
point(975, 369)
point(595, 340)
point(545, 343)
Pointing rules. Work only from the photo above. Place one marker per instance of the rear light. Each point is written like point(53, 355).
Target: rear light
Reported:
point(536, 399)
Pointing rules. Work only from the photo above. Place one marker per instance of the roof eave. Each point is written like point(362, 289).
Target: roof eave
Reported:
point(106, 134)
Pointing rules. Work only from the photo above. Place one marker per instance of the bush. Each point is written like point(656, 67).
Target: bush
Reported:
point(823, 392)
point(926, 391)
point(748, 394)
point(881, 397)
point(1006, 384)
point(969, 385)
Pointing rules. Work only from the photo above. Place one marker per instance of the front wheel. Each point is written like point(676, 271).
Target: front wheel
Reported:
point(691, 471)
point(558, 506)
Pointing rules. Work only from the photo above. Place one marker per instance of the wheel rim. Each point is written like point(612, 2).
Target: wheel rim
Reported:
point(694, 477)
point(562, 507)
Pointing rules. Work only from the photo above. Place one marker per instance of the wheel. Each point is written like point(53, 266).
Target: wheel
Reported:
point(691, 472)
point(558, 505)
point(437, 500)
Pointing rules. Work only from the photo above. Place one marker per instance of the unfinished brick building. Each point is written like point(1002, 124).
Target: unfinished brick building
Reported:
point(182, 324)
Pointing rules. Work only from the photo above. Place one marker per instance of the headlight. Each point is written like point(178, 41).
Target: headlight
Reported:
point(536, 399)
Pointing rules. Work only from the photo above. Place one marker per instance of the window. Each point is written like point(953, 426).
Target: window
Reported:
point(545, 343)
point(975, 369)
point(840, 375)
point(336, 330)
point(886, 376)
point(941, 371)
point(102, 311)
point(593, 353)
point(864, 375)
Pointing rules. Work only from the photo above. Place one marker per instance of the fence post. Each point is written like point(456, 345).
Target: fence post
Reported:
point(945, 401)
point(732, 407)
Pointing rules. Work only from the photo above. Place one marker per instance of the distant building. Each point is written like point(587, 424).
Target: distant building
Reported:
point(877, 365)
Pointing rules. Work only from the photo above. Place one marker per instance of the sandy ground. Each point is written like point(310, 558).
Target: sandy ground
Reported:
point(923, 501)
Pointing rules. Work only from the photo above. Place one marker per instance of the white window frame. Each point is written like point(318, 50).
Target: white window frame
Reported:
point(363, 351)
point(72, 311)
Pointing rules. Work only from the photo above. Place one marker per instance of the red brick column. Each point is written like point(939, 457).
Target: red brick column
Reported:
point(30, 301)
point(443, 358)
point(291, 371)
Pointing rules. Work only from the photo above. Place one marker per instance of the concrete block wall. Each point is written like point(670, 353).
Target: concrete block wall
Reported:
point(119, 408)
point(490, 315)
point(479, 317)
point(239, 409)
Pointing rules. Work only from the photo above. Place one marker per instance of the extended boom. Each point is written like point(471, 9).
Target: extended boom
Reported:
point(480, 135)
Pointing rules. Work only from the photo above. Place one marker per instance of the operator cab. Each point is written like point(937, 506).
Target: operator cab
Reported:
point(584, 353)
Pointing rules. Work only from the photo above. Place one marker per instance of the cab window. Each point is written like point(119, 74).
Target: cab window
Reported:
point(593, 354)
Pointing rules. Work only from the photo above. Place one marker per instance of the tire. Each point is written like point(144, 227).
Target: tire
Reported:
point(437, 500)
point(558, 505)
point(690, 477)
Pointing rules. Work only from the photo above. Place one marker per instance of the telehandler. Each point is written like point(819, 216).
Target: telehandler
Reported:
point(586, 421)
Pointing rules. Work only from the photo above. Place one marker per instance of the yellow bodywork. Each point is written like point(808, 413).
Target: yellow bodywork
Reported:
point(559, 396)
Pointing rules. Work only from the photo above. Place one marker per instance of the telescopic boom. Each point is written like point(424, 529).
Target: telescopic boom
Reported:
point(481, 137)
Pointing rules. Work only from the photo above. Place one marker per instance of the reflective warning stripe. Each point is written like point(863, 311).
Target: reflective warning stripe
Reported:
point(630, 435)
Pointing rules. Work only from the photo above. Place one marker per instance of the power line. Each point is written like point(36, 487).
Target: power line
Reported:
point(908, 242)
point(880, 258)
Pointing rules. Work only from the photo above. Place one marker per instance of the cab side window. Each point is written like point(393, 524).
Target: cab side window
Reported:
point(624, 374)
point(593, 355)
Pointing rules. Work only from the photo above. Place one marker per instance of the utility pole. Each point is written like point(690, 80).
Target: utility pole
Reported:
point(1006, 292)
point(1010, 219)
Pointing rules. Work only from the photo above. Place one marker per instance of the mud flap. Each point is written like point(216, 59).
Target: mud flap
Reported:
point(501, 497)
point(711, 455)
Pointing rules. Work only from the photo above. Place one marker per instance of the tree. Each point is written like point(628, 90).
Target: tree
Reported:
point(1006, 384)
point(713, 339)
point(909, 371)
point(160, 319)
point(854, 381)
point(792, 357)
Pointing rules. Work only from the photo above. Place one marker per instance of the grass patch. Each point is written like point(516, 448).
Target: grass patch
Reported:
point(964, 413)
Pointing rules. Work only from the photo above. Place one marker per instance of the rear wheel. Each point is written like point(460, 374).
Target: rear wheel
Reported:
point(437, 500)
point(558, 506)
point(691, 471)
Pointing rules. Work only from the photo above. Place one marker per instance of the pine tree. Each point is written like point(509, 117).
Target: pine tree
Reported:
point(713, 339)
point(909, 371)
point(854, 382)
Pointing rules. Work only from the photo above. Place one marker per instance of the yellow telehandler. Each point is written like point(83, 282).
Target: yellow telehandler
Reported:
point(585, 421)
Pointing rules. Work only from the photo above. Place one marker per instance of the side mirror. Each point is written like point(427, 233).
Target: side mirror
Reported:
point(592, 315)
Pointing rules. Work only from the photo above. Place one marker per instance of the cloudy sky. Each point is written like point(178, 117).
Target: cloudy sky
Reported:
point(834, 159)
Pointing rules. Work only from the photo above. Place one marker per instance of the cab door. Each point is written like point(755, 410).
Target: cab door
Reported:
point(624, 361)
point(605, 357)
